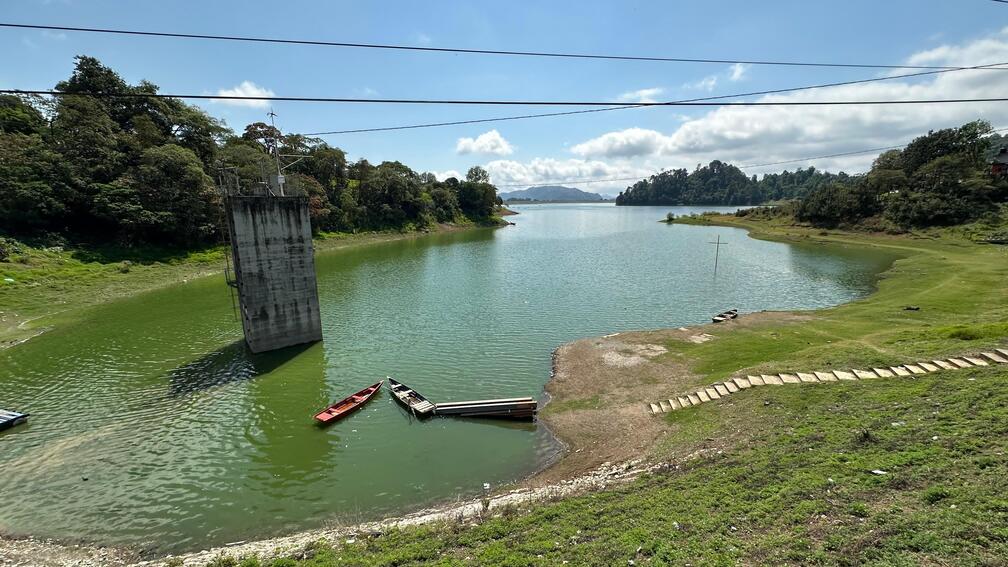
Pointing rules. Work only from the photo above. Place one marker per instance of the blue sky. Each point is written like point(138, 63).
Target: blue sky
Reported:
point(613, 144)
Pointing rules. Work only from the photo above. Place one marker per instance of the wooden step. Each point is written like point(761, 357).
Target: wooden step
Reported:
point(789, 379)
point(960, 363)
point(721, 389)
point(928, 366)
point(994, 357)
point(915, 369)
point(731, 386)
point(756, 380)
point(806, 377)
point(883, 372)
point(674, 404)
point(844, 375)
point(712, 393)
point(944, 365)
point(742, 383)
point(900, 371)
point(702, 394)
point(664, 406)
point(684, 402)
point(655, 410)
point(865, 374)
point(825, 376)
point(976, 361)
point(772, 380)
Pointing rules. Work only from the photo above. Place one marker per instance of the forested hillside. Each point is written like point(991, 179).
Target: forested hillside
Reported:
point(550, 193)
point(942, 178)
point(721, 183)
point(130, 169)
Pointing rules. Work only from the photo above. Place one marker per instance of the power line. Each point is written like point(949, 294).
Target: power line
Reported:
point(497, 102)
point(750, 166)
point(631, 106)
point(397, 47)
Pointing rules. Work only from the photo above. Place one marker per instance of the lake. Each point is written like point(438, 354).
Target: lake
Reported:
point(152, 425)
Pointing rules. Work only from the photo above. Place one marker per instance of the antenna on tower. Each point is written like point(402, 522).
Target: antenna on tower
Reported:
point(276, 152)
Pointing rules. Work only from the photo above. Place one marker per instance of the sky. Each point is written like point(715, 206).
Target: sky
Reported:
point(520, 153)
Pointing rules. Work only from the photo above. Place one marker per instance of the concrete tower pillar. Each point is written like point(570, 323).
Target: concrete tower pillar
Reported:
point(274, 265)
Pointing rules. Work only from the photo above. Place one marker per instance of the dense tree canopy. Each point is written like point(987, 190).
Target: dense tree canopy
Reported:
point(719, 183)
point(134, 170)
point(942, 178)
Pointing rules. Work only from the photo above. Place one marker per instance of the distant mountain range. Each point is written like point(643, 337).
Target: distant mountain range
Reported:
point(551, 193)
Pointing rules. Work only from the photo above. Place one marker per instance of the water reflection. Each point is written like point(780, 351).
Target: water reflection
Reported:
point(231, 363)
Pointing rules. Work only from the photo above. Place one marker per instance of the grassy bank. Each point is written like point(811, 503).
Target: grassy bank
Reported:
point(779, 475)
point(41, 285)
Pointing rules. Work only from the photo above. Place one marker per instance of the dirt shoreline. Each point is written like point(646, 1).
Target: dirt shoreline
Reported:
point(36, 552)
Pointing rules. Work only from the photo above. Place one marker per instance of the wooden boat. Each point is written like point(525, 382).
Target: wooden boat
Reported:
point(347, 405)
point(9, 419)
point(410, 398)
point(720, 317)
point(508, 408)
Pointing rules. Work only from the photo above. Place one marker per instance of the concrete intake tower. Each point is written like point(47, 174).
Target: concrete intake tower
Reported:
point(274, 270)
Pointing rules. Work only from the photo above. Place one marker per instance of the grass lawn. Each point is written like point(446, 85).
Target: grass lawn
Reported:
point(901, 471)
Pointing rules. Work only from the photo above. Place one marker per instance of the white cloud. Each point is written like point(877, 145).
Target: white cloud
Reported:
point(632, 142)
point(246, 88)
point(737, 72)
point(423, 39)
point(642, 95)
point(705, 84)
point(510, 175)
point(487, 143)
point(443, 175)
point(748, 135)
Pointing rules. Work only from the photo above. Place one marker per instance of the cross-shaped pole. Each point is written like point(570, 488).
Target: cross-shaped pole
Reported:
point(717, 252)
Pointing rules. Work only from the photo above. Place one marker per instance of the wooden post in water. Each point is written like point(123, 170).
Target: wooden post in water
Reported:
point(717, 252)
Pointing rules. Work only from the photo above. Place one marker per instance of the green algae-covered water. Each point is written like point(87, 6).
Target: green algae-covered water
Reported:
point(153, 427)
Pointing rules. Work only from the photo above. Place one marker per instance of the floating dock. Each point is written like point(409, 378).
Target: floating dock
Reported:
point(506, 408)
point(9, 419)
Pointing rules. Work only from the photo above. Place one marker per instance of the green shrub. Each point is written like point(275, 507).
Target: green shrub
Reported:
point(964, 334)
point(223, 560)
point(935, 494)
point(858, 509)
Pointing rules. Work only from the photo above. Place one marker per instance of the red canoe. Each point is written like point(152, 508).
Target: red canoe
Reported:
point(347, 405)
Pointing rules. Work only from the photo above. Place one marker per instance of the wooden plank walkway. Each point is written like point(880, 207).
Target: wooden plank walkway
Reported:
point(722, 389)
point(10, 418)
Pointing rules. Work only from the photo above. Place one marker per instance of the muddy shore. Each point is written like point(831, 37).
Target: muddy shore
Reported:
point(33, 552)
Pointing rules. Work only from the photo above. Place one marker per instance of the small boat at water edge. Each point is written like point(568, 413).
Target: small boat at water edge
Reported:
point(347, 405)
point(410, 398)
point(720, 317)
point(9, 419)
